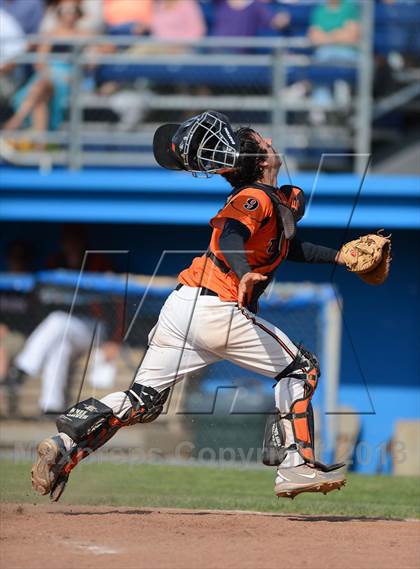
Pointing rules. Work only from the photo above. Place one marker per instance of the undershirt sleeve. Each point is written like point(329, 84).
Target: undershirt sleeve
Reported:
point(305, 252)
point(232, 246)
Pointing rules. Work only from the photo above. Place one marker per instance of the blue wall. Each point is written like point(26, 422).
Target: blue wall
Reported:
point(379, 372)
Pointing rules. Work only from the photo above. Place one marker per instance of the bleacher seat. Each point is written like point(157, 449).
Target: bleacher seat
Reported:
point(397, 28)
point(220, 75)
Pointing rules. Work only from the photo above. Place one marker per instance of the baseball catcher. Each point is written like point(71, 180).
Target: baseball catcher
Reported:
point(213, 312)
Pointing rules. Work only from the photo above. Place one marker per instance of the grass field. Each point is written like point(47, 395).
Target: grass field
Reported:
point(215, 488)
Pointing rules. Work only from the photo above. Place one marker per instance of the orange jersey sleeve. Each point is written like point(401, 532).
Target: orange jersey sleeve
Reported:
point(251, 206)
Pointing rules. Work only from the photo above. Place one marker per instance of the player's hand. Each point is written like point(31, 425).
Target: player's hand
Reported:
point(246, 286)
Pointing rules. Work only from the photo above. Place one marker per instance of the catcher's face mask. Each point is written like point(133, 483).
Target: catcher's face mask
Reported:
point(204, 144)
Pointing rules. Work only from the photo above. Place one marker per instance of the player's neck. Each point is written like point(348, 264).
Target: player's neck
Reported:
point(269, 178)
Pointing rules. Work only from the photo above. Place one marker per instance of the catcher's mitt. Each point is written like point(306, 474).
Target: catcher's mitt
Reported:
point(369, 257)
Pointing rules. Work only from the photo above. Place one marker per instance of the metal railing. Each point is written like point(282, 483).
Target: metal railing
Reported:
point(276, 56)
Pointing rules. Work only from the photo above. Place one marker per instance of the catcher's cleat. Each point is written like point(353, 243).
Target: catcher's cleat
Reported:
point(49, 452)
point(306, 478)
point(58, 487)
point(287, 495)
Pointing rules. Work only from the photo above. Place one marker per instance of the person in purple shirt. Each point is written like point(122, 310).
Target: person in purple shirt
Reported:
point(246, 18)
point(28, 13)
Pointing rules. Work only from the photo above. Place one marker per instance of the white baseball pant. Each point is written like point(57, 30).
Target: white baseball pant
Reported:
point(194, 331)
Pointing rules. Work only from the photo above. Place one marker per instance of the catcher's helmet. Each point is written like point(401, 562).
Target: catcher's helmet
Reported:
point(205, 143)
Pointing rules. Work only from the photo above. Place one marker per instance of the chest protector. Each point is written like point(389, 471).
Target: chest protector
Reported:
point(289, 207)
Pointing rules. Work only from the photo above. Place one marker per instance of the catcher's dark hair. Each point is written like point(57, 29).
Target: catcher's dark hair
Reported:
point(249, 168)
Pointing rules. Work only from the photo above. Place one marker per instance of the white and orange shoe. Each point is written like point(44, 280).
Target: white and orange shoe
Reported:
point(307, 478)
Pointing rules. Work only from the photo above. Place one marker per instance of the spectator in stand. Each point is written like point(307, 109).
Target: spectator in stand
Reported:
point(128, 16)
point(177, 19)
point(334, 31)
point(28, 13)
point(45, 97)
point(92, 20)
point(173, 20)
point(13, 43)
point(246, 18)
point(170, 20)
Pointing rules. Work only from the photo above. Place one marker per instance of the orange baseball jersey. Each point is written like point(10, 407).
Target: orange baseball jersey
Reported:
point(254, 208)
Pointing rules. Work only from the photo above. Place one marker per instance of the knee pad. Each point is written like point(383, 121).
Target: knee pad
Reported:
point(147, 403)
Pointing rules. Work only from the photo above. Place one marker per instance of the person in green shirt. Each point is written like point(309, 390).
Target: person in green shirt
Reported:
point(335, 31)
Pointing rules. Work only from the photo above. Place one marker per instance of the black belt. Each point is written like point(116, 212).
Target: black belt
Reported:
point(218, 262)
point(203, 292)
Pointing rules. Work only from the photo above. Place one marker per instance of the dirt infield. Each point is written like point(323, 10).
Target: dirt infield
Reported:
point(84, 537)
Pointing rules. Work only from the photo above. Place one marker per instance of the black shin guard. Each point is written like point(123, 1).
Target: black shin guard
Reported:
point(84, 419)
point(91, 424)
point(274, 450)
